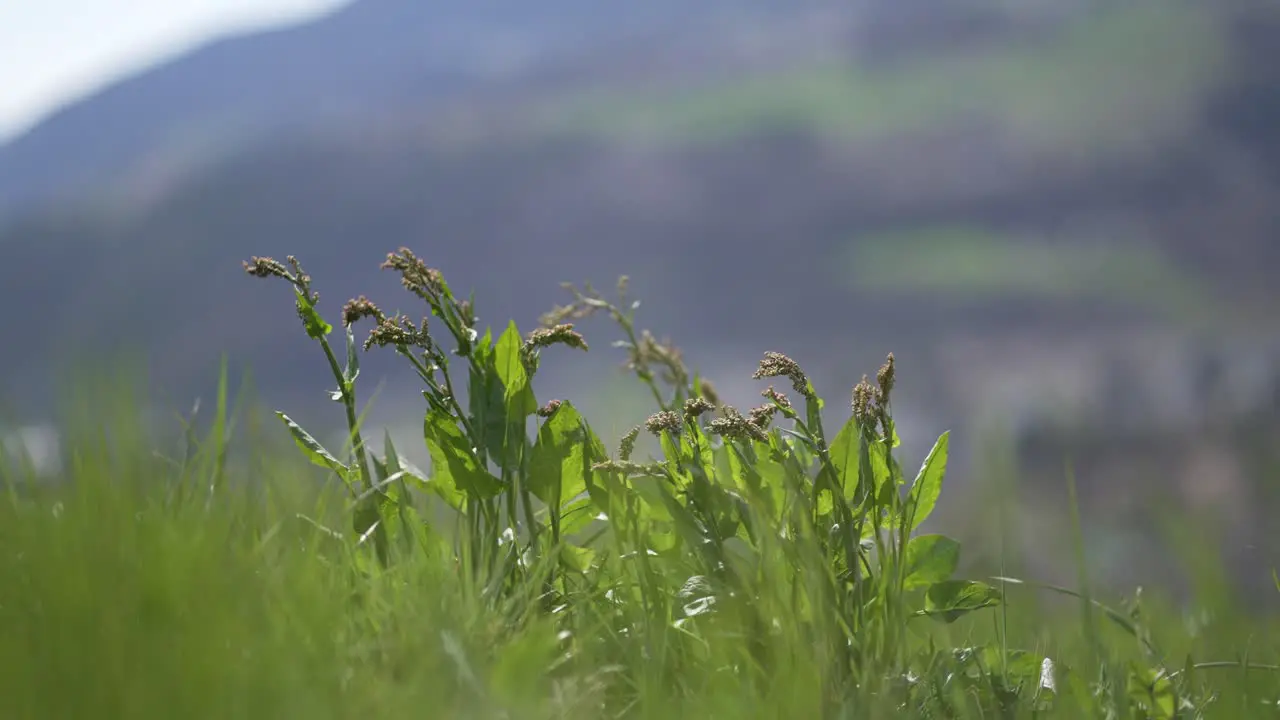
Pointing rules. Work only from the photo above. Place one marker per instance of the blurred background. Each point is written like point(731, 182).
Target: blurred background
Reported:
point(1061, 215)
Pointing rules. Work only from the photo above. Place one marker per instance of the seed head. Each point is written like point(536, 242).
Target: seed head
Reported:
point(628, 443)
point(665, 420)
point(694, 407)
point(560, 334)
point(782, 400)
point(550, 408)
point(399, 331)
point(733, 425)
point(885, 378)
point(359, 308)
point(864, 398)
point(266, 267)
point(762, 416)
point(425, 282)
point(778, 365)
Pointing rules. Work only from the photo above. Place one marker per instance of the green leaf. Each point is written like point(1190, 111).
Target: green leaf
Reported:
point(517, 393)
point(453, 462)
point(352, 371)
point(952, 598)
point(928, 483)
point(844, 455)
point(930, 559)
point(577, 515)
point(315, 325)
point(557, 471)
point(312, 448)
point(1153, 691)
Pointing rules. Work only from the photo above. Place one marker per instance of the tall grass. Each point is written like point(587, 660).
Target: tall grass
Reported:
point(758, 566)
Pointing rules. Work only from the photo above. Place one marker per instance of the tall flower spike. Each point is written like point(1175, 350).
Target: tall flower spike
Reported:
point(885, 378)
point(560, 334)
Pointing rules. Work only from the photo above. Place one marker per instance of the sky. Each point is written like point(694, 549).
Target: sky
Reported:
point(54, 51)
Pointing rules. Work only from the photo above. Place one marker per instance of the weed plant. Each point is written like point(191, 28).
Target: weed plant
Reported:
point(760, 566)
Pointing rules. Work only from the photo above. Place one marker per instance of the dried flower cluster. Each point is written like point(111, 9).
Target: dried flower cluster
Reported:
point(665, 420)
point(778, 365)
point(871, 402)
point(425, 282)
point(733, 425)
point(399, 331)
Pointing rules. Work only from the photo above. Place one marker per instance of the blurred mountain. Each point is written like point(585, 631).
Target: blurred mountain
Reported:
point(834, 179)
point(372, 57)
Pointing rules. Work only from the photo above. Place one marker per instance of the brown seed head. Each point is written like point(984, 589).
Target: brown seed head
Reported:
point(778, 365)
point(550, 408)
point(265, 267)
point(733, 425)
point(665, 420)
point(695, 407)
point(782, 400)
point(419, 279)
point(359, 308)
point(399, 331)
point(885, 378)
point(560, 334)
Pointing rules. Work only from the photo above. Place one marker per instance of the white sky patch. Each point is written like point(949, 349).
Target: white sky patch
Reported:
point(54, 51)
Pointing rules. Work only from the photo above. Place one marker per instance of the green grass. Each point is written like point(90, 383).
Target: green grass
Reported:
point(969, 262)
point(756, 567)
point(1110, 81)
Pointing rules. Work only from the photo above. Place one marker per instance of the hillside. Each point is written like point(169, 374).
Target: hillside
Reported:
point(1048, 174)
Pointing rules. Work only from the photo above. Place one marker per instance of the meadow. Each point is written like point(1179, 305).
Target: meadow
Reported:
point(754, 564)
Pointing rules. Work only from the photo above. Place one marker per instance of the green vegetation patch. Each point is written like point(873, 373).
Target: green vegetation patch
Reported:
point(756, 565)
point(969, 262)
point(1111, 79)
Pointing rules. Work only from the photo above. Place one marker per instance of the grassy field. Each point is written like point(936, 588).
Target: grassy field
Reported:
point(761, 566)
point(969, 262)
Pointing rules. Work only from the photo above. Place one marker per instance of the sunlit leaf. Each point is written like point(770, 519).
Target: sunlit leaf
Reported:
point(557, 471)
point(928, 483)
point(453, 462)
point(517, 393)
point(930, 559)
point(950, 599)
point(312, 448)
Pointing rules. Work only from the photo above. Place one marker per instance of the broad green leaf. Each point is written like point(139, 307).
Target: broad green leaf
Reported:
point(930, 559)
point(652, 490)
point(453, 462)
point(952, 598)
point(517, 393)
point(577, 515)
point(312, 448)
point(315, 325)
point(557, 471)
point(844, 455)
point(928, 483)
